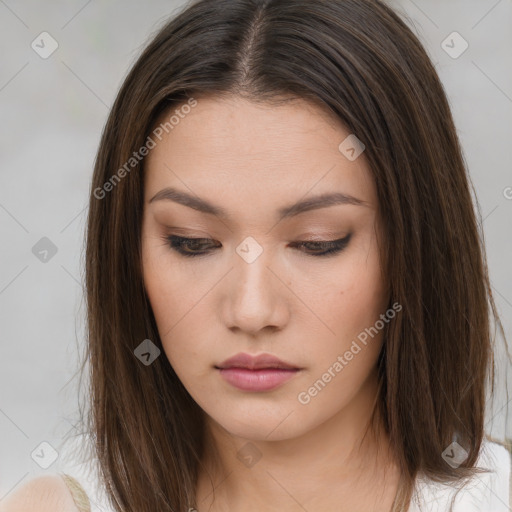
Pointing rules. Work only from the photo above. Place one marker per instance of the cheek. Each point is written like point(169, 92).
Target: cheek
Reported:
point(167, 289)
point(352, 303)
point(351, 296)
point(178, 293)
point(350, 300)
point(179, 328)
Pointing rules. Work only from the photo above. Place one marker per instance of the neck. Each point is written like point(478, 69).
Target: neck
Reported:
point(342, 464)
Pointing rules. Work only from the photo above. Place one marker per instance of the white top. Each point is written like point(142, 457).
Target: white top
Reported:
point(488, 492)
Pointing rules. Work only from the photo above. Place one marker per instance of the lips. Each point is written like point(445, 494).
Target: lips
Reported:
point(264, 372)
point(259, 362)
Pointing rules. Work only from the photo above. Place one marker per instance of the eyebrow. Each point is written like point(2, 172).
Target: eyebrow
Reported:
point(313, 203)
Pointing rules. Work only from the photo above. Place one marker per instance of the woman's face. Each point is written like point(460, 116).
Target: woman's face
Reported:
point(253, 288)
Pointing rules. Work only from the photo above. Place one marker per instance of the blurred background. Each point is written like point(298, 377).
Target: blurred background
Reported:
point(61, 66)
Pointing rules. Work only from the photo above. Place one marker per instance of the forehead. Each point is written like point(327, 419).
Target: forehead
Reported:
point(232, 144)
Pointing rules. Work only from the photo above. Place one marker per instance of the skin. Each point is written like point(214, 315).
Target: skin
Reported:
point(47, 493)
point(253, 159)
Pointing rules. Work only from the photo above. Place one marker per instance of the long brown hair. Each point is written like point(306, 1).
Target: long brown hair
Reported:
point(358, 60)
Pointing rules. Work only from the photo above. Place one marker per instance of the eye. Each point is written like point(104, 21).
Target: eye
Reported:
point(192, 247)
point(188, 247)
point(324, 247)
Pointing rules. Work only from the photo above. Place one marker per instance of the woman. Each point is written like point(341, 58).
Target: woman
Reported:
point(287, 292)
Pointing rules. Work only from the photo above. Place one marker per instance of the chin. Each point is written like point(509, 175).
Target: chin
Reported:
point(261, 426)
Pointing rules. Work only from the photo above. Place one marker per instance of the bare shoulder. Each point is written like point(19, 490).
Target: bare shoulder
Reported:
point(48, 493)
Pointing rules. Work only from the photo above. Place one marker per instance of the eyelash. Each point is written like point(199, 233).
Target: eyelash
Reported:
point(331, 247)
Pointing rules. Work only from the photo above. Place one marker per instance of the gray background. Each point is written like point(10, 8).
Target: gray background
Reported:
point(53, 111)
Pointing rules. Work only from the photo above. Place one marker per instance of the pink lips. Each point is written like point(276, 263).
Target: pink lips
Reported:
point(256, 373)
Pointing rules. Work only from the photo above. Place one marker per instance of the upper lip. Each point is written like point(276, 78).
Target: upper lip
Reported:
point(258, 362)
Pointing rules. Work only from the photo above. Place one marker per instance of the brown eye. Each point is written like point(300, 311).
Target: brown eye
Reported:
point(189, 247)
point(324, 247)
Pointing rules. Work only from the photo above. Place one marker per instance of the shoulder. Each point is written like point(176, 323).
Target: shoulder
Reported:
point(496, 452)
point(493, 489)
point(48, 493)
point(497, 457)
point(489, 491)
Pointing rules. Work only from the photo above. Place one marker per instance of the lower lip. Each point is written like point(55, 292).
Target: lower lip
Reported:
point(256, 380)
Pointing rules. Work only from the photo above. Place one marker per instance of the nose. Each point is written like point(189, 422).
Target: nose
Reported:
point(256, 297)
